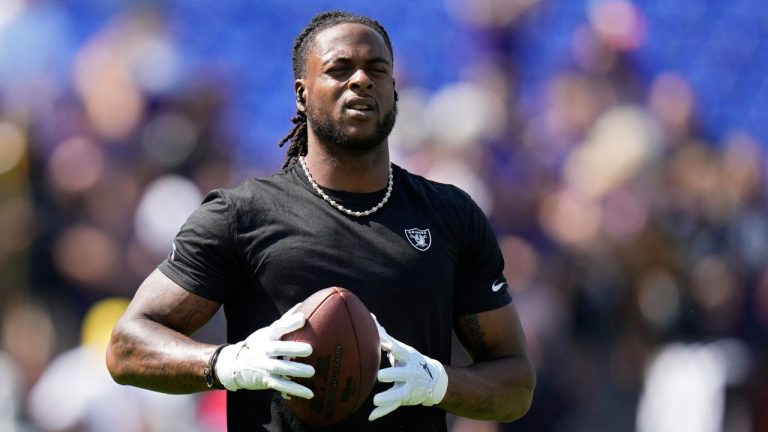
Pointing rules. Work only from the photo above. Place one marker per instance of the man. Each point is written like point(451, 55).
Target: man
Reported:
point(419, 254)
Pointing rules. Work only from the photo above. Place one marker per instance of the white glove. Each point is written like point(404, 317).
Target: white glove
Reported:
point(254, 363)
point(418, 379)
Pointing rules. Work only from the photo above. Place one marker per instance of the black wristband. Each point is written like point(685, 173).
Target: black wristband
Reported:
point(210, 370)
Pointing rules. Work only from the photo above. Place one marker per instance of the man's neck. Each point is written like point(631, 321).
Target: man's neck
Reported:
point(343, 171)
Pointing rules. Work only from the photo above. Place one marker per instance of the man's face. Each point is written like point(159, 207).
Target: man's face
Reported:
point(348, 88)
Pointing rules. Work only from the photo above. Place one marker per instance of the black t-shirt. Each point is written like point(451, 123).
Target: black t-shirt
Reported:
point(428, 256)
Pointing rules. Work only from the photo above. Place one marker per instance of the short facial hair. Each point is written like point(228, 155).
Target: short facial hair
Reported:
point(331, 132)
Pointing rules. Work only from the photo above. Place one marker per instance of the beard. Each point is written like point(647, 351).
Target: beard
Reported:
point(330, 131)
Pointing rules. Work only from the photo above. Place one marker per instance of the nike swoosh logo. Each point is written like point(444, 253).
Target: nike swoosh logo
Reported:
point(497, 286)
point(424, 365)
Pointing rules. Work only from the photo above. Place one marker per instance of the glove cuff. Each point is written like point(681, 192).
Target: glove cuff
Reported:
point(225, 367)
point(441, 382)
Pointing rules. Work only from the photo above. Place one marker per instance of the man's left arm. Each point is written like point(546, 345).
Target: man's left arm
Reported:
point(499, 384)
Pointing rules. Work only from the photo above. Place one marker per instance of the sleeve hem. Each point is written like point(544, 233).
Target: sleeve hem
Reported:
point(488, 305)
point(184, 282)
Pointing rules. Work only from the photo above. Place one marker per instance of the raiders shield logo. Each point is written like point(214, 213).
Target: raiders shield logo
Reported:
point(419, 238)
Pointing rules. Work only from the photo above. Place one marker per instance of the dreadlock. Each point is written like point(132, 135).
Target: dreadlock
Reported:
point(301, 48)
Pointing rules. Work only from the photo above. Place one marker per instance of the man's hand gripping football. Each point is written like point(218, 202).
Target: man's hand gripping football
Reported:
point(419, 380)
point(256, 364)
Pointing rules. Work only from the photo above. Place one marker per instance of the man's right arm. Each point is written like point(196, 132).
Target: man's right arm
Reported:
point(150, 345)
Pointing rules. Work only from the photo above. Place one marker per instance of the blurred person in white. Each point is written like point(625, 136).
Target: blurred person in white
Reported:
point(76, 391)
point(9, 394)
point(686, 385)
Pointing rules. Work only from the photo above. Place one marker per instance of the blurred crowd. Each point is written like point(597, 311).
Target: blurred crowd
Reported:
point(635, 240)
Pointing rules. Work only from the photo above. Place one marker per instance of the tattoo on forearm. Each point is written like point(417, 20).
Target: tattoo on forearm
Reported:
point(162, 373)
point(150, 366)
point(160, 367)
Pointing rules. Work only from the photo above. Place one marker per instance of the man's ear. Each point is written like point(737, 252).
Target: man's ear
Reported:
point(298, 87)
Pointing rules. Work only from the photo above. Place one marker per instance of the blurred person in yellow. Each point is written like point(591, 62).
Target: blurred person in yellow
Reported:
point(76, 392)
point(420, 254)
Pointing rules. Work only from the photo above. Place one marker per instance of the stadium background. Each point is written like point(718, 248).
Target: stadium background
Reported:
point(618, 148)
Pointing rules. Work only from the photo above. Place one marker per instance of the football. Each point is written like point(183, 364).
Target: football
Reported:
point(345, 355)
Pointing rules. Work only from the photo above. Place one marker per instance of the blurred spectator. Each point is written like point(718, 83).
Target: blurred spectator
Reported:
point(9, 394)
point(686, 385)
point(76, 391)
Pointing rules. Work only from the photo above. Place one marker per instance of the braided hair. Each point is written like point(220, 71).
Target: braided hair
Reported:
point(301, 48)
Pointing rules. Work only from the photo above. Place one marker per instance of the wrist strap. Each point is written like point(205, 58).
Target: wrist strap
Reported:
point(210, 370)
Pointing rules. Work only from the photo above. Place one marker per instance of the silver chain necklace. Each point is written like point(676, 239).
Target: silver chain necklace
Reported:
point(338, 206)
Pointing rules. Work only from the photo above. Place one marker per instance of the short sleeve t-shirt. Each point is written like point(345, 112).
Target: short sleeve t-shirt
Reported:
point(428, 256)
